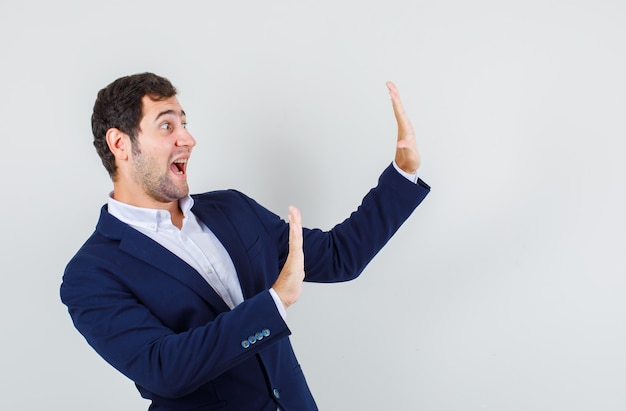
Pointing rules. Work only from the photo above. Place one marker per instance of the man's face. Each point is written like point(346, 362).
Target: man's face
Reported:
point(163, 146)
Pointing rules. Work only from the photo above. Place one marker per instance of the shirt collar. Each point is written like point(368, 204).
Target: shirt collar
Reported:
point(148, 218)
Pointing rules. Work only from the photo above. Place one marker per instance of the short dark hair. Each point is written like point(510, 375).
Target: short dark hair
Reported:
point(119, 105)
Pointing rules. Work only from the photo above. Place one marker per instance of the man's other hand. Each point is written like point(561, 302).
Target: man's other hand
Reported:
point(288, 285)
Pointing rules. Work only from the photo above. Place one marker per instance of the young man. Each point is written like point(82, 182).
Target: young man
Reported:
point(186, 295)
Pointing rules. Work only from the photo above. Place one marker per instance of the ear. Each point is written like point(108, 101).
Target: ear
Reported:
point(119, 143)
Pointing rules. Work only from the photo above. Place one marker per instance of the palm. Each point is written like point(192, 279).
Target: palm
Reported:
point(407, 154)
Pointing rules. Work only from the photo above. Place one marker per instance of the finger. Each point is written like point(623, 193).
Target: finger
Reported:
point(295, 229)
point(396, 101)
point(404, 124)
point(392, 87)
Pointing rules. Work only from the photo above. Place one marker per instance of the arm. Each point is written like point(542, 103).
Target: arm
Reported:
point(343, 252)
point(157, 331)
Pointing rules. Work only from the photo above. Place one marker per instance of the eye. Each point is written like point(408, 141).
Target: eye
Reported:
point(184, 125)
point(165, 126)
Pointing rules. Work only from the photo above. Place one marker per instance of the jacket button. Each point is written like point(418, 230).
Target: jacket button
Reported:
point(252, 339)
point(266, 332)
point(245, 344)
point(259, 336)
point(276, 393)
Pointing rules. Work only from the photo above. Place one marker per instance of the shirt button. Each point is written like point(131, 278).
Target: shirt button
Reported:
point(276, 393)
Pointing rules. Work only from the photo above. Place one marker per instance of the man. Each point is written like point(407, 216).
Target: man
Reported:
point(187, 295)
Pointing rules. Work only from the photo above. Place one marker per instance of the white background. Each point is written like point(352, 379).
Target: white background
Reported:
point(504, 291)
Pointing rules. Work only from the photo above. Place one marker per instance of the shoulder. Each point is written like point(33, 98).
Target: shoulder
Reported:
point(234, 206)
point(228, 200)
point(102, 247)
point(218, 196)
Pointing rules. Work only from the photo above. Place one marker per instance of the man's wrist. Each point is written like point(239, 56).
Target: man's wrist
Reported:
point(409, 176)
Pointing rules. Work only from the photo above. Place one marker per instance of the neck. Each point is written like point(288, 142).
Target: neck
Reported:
point(177, 217)
point(130, 197)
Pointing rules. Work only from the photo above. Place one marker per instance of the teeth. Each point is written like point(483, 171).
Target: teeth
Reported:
point(180, 161)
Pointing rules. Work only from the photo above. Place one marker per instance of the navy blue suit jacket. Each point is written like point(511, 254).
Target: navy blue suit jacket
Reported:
point(155, 319)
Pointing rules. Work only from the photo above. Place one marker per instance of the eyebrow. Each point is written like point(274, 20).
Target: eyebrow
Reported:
point(170, 112)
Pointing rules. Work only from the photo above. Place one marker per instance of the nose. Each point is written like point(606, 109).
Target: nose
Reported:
point(185, 139)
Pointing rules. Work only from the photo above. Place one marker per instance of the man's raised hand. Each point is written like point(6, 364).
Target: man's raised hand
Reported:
point(407, 154)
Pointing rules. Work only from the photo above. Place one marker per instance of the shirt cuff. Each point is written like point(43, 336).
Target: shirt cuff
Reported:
point(411, 177)
point(279, 304)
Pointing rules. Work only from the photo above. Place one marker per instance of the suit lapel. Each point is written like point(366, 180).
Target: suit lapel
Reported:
point(152, 253)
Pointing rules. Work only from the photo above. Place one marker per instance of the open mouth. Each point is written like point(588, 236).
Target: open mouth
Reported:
point(179, 166)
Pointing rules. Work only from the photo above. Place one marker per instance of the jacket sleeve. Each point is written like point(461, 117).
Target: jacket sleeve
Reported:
point(343, 252)
point(128, 334)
